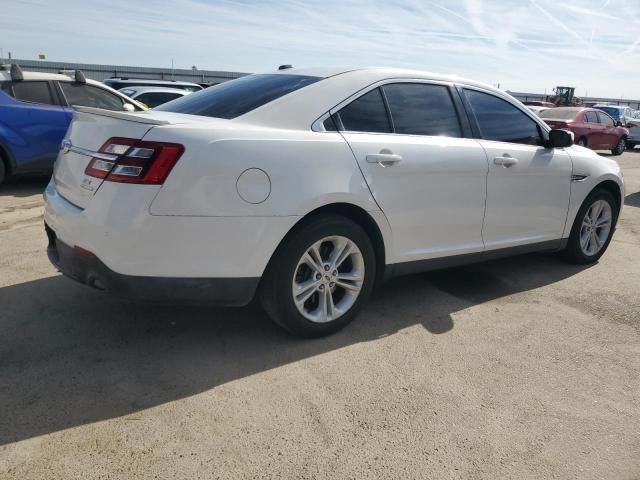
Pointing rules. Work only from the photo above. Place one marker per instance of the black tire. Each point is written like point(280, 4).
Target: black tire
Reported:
point(3, 171)
point(620, 147)
point(573, 252)
point(275, 292)
point(631, 145)
point(582, 141)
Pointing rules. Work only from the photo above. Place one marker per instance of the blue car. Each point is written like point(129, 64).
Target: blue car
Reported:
point(619, 113)
point(35, 112)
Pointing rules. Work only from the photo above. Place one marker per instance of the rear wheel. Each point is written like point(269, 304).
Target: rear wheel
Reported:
point(620, 147)
point(631, 145)
point(320, 277)
point(3, 171)
point(582, 142)
point(592, 228)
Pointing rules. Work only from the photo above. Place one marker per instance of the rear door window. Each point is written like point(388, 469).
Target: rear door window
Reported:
point(422, 109)
point(501, 121)
point(33, 92)
point(366, 114)
point(590, 117)
point(86, 95)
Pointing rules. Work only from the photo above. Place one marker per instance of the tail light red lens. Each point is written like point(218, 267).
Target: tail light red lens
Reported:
point(128, 160)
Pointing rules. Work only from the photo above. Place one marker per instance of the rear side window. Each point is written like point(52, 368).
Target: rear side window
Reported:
point(34, 92)
point(500, 121)
point(590, 117)
point(605, 119)
point(237, 97)
point(154, 99)
point(366, 114)
point(421, 109)
point(89, 96)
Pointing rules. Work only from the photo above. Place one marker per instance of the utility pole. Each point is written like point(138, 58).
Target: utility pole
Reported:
point(172, 70)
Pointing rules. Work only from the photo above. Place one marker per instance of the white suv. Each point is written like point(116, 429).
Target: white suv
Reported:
point(308, 186)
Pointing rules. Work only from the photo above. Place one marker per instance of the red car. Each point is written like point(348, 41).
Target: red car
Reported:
point(591, 128)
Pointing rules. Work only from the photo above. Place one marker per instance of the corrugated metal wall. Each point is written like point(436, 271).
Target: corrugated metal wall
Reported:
point(100, 72)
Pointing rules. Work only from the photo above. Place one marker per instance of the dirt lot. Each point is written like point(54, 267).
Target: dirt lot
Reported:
point(525, 368)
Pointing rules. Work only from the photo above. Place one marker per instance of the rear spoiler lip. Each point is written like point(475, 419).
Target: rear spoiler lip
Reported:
point(130, 117)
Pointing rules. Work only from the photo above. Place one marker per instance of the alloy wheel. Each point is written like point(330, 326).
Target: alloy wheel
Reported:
point(328, 278)
point(595, 228)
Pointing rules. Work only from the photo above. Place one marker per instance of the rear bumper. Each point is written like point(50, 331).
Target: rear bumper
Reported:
point(88, 269)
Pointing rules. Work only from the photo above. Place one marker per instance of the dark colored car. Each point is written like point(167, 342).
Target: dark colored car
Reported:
point(591, 128)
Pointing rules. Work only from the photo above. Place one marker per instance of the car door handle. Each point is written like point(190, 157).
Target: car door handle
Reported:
point(384, 159)
point(505, 161)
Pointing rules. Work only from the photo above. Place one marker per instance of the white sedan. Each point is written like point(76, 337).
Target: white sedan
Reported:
point(306, 187)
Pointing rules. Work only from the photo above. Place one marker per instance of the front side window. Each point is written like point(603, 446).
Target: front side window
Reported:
point(366, 114)
point(422, 109)
point(590, 117)
point(33, 92)
point(500, 121)
point(85, 95)
point(605, 119)
point(237, 97)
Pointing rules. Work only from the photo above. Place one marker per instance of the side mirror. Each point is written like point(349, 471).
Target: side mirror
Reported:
point(560, 138)
point(127, 107)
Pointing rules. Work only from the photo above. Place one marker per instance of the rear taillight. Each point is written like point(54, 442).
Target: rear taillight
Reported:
point(128, 160)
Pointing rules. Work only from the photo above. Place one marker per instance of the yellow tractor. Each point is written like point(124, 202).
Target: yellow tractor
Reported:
point(563, 97)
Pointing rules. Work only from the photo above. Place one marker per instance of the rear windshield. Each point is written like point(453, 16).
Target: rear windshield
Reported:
point(237, 97)
point(556, 113)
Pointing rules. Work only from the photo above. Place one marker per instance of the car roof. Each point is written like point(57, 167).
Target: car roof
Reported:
point(617, 107)
point(382, 72)
point(143, 89)
point(6, 76)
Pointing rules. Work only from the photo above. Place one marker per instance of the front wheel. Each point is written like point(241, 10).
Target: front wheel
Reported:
point(620, 147)
point(582, 142)
point(320, 276)
point(592, 228)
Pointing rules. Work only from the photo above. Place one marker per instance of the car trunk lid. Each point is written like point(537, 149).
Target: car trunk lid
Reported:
point(90, 129)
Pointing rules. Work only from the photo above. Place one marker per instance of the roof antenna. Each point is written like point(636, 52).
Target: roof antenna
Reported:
point(285, 67)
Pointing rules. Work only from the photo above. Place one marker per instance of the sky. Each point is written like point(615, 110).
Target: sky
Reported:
point(524, 45)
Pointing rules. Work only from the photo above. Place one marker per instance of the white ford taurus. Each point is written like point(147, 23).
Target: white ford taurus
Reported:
point(305, 187)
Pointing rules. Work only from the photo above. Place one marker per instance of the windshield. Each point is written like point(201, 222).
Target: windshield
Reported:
point(558, 114)
point(237, 97)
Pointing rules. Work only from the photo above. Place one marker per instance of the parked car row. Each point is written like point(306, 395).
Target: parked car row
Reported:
point(591, 127)
point(36, 109)
point(35, 112)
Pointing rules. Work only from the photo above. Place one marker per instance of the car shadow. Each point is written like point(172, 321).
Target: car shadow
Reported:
point(632, 200)
point(24, 186)
point(70, 355)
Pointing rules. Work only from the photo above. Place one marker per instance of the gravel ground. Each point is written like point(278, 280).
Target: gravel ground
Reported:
point(525, 368)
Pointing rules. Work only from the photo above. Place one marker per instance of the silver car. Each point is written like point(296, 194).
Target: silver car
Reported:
point(153, 96)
